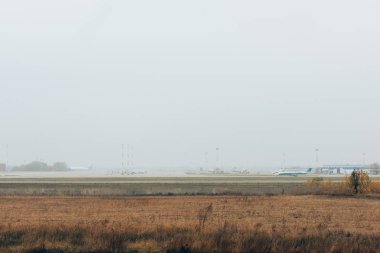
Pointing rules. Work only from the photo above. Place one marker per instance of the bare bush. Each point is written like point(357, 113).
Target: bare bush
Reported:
point(359, 182)
point(203, 215)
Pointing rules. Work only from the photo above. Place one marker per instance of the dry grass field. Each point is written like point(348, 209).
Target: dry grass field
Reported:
point(189, 224)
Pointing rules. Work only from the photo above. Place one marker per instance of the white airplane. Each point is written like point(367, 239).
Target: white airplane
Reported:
point(292, 172)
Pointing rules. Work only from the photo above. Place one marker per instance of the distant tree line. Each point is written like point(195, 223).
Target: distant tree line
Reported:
point(374, 168)
point(41, 166)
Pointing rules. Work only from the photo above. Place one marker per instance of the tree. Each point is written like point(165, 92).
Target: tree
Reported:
point(41, 166)
point(359, 182)
point(60, 166)
point(33, 166)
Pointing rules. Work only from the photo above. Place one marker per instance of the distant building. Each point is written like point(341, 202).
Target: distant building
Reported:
point(342, 169)
point(3, 167)
point(374, 169)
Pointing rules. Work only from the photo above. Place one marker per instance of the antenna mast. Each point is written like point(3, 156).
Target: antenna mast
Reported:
point(123, 157)
point(364, 154)
point(318, 169)
point(283, 160)
point(217, 158)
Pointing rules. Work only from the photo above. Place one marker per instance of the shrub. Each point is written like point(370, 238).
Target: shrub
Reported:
point(374, 187)
point(319, 186)
point(359, 182)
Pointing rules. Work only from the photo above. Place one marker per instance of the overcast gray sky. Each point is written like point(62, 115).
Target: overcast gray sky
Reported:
point(176, 79)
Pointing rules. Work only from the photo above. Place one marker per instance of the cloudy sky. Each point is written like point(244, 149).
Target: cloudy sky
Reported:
point(176, 79)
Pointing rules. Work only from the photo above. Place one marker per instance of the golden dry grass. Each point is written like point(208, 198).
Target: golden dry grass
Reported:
point(358, 215)
point(290, 216)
